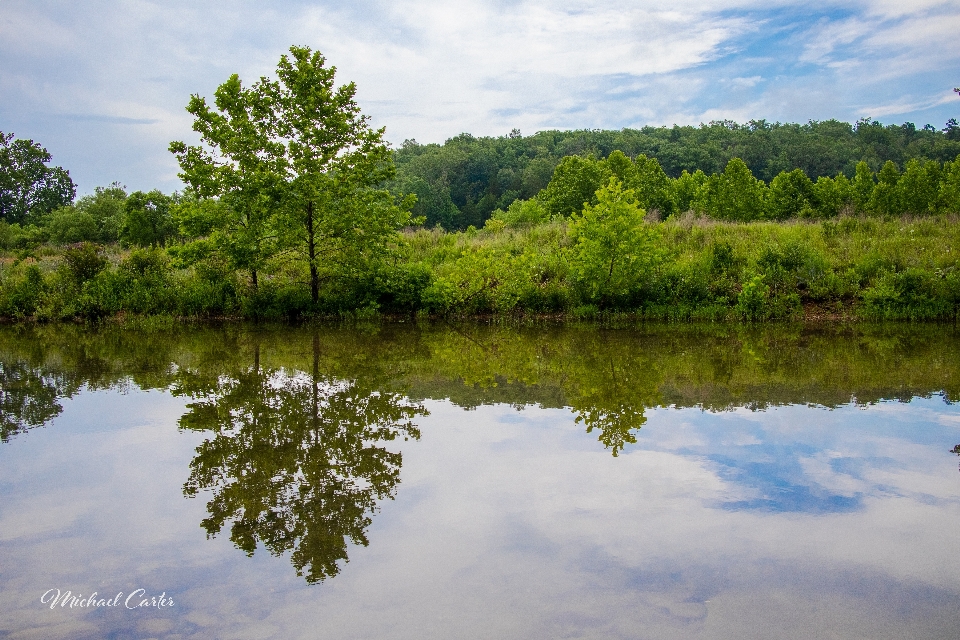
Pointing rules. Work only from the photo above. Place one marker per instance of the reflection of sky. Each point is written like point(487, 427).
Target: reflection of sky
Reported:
point(790, 522)
point(827, 466)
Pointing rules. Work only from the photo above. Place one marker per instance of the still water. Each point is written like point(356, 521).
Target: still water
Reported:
point(466, 481)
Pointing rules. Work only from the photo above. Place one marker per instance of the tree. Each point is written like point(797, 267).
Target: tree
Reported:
point(147, 221)
point(575, 182)
point(919, 186)
point(613, 250)
point(862, 187)
point(832, 195)
point(337, 213)
point(652, 186)
point(688, 190)
point(948, 199)
point(791, 195)
point(92, 218)
point(28, 187)
point(735, 194)
point(242, 167)
point(886, 196)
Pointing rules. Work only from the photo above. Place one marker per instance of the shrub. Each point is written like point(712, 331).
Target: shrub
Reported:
point(69, 225)
point(752, 300)
point(84, 261)
point(22, 292)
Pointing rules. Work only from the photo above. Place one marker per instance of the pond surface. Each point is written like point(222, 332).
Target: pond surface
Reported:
point(465, 481)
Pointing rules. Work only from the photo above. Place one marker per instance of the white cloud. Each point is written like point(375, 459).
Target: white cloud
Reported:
point(103, 85)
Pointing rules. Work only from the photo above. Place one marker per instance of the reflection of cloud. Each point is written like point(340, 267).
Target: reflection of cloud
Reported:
point(516, 524)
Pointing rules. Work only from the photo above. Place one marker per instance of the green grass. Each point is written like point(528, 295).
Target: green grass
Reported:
point(701, 269)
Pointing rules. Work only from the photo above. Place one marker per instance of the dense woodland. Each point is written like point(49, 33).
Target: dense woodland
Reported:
point(294, 206)
point(461, 182)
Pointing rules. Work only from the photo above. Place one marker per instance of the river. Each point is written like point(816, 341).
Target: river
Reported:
point(471, 481)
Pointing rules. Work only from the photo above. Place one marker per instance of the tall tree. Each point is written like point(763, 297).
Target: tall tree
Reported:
point(242, 166)
point(28, 187)
point(338, 214)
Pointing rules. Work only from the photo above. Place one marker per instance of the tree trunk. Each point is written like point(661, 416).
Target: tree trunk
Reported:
point(312, 252)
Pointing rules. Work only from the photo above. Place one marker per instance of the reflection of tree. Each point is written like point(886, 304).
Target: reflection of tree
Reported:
point(610, 393)
point(295, 462)
point(607, 379)
point(27, 399)
point(617, 423)
point(956, 450)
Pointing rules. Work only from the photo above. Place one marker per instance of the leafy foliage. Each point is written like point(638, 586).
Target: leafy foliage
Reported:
point(28, 187)
point(613, 251)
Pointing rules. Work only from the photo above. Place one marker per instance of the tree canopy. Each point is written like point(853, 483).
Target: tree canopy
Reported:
point(296, 171)
point(463, 181)
point(28, 186)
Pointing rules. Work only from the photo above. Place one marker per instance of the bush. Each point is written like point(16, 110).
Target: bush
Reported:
point(905, 295)
point(752, 299)
point(522, 213)
point(68, 225)
point(22, 292)
point(84, 261)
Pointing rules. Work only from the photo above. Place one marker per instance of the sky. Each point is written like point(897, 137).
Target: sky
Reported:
point(103, 84)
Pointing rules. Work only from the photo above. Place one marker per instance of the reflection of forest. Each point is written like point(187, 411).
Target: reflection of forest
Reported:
point(608, 377)
point(297, 419)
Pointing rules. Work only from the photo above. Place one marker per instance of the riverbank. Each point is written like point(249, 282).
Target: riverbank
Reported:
point(683, 269)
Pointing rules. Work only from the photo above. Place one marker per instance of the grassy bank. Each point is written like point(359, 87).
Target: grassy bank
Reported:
point(685, 268)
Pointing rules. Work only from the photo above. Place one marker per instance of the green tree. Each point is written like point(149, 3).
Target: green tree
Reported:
point(241, 166)
point(948, 198)
point(613, 250)
point(69, 224)
point(863, 184)
point(919, 185)
point(688, 190)
point(147, 221)
point(832, 195)
point(28, 187)
point(92, 218)
point(791, 195)
point(886, 198)
point(338, 214)
point(652, 186)
point(736, 194)
point(574, 183)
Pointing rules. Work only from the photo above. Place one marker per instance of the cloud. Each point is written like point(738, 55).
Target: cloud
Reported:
point(77, 77)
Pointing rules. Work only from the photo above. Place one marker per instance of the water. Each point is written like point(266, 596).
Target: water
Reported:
point(460, 481)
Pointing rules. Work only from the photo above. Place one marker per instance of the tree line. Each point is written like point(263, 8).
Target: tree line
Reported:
point(923, 187)
point(290, 212)
point(463, 181)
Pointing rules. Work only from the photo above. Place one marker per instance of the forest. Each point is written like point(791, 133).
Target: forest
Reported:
point(295, 207)
point(463, 181)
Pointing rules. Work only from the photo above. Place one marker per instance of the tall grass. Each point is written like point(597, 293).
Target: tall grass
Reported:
point(898, 268)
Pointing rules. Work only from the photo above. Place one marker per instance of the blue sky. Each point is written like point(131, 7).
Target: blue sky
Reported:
point(103, 84)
